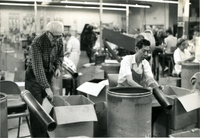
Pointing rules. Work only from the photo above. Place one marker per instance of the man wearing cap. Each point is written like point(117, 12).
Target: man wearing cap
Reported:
point(46, 56)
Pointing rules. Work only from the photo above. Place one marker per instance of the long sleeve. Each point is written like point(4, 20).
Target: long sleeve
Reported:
point(60, 55)
point(37, 65)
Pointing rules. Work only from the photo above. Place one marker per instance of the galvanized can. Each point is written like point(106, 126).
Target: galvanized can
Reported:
point(3, 116)
point(129, 112)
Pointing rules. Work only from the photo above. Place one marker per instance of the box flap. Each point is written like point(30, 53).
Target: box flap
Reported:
point(190, 102)
point(59, 101)
point(74, 114)
point(91, 88)
point(47, 105)
point(77, 100)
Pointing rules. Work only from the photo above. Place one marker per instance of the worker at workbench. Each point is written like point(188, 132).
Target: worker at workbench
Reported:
point(135, 70)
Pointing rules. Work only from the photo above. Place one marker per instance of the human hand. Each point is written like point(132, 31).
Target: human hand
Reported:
point(49, 94)
point(161, 87)
point(57, 73)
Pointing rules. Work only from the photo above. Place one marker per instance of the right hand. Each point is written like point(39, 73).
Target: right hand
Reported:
point(49, 94)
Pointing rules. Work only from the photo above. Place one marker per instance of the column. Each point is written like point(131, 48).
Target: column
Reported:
point(183, 17)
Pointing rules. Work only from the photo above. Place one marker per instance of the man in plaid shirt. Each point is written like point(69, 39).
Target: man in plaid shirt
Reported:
point(45, 61)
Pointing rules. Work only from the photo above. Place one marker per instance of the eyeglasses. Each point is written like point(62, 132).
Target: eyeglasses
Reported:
point(55, 37)
point(144, 51)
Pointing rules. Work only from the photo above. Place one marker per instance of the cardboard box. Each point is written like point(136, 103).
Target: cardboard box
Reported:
point(191, 133)
point(74, 115)
point(160, 129)
point(191, 127)
point(94, 89)
point(89, 73)
point(100, 127)
point(181, 115)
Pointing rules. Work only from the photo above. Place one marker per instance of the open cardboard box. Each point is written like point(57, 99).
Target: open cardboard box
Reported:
point(191, 133)
point(95, 90)
point(181, 115)
point(100, 127)
point(74, 115)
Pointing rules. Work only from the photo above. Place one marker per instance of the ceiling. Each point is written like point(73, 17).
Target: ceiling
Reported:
point(194, 3)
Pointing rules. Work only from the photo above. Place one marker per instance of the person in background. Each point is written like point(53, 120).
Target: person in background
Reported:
point(72, 48)
point(192, 42)
point(159, 38)
point(170, 41)
point(169, 47)
point(181, 54)
point(88, 39)
point(135, 70)
point(45, 61)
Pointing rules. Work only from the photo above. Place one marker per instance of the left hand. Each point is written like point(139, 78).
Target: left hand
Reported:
point(57, 73)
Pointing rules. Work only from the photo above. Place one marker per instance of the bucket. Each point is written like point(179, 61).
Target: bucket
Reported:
point(3, 116)
point(129, 112)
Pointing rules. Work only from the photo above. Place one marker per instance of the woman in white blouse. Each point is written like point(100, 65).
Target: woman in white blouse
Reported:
point(181, 54)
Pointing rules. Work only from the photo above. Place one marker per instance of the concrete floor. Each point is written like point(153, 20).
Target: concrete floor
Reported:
point(12, 133)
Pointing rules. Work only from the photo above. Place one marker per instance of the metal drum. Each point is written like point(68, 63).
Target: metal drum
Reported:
point(129, 112)
point(3, 116)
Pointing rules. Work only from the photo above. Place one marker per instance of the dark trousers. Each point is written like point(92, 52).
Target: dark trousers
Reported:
point(38, 130)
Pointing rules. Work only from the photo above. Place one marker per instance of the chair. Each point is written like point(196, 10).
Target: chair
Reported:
point(16, 108)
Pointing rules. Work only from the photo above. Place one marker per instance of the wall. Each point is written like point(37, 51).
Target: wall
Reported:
point(76, 18)
point(158, 14)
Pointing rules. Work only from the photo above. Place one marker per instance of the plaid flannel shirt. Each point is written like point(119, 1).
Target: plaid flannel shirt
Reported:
point(45, 58)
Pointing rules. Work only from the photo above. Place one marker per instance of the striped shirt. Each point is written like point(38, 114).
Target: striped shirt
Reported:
point(45, 58)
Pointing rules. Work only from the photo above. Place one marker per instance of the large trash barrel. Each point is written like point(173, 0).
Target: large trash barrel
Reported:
point(3, 116)
point(188, 70)
point(129, 112)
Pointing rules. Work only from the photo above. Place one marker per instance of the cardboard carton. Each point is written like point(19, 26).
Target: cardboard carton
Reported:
point(191, 133)
point(181, 115)
point(74, 115)
point(100, 127)
point(94, 89)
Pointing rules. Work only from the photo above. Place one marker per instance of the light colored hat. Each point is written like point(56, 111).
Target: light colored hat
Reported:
point(55, 27)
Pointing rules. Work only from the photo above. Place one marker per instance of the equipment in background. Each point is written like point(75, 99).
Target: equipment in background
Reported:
point(39, 112)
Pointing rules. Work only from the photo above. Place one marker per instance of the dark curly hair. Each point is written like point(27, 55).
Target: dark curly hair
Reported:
point(143, 42)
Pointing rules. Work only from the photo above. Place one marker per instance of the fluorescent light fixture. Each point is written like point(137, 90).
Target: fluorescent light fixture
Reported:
point(105, 8)
point(107, 4)
point(159, 1)
point(16, 4)
point(77, 7)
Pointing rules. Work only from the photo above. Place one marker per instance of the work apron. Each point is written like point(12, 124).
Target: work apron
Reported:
point(139, 78)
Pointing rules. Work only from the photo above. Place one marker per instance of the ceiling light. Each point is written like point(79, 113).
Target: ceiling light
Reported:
point(159, 1)
point(107, 4)
point(15, 4)
point(83, 7)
